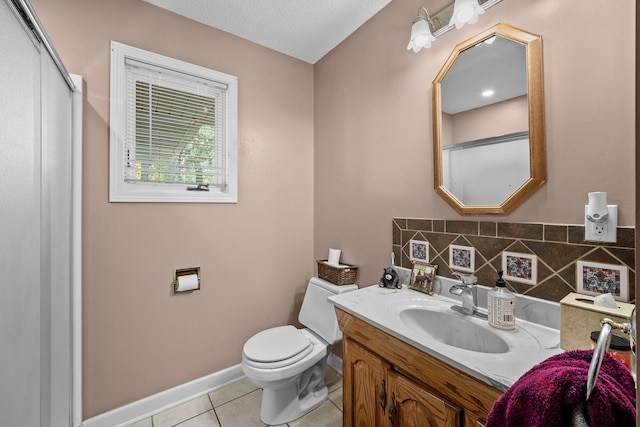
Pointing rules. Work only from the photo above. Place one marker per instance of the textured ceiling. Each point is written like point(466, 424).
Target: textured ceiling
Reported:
point(304, 29)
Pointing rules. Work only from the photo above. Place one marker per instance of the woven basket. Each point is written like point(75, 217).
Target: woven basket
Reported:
point(337, 275)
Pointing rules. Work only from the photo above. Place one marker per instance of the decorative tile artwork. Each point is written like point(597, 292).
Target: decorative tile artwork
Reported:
point(462, 258)
point(556, 249)
point(595, 278)
point(419, 251)
point(520, 267)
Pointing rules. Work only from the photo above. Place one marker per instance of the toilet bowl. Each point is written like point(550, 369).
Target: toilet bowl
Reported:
point(289, 363)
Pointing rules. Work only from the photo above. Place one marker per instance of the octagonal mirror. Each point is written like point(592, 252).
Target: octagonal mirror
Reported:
point(488, 122)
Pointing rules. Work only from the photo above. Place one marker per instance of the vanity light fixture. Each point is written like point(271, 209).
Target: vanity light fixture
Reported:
point(465, 11)
point(425, 29)
point(487, 93)
point(601, 220)
point(421, 31)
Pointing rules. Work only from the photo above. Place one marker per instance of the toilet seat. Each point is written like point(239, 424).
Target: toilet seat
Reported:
point(276, 348)
point(260, 371)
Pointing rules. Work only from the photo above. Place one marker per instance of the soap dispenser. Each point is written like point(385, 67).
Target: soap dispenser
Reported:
point(501, 306)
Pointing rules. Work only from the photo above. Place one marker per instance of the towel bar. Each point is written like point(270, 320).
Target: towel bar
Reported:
point(603, 345)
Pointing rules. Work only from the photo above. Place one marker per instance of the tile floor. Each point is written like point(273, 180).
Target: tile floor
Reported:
point(238, 405)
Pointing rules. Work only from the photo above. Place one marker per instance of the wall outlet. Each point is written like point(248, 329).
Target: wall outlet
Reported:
point(604, 231)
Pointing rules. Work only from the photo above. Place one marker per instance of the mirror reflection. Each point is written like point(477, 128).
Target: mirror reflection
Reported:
point(486, 158)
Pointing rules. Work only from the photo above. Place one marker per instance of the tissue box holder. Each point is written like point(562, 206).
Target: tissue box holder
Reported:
point(578, 319)
point(337, 275)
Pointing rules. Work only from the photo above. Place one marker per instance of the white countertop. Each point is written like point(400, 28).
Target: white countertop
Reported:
point(529, 344)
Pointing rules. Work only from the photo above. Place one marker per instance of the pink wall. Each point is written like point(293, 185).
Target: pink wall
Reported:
point(256, 256)
point(350, 135)
point(373, 139)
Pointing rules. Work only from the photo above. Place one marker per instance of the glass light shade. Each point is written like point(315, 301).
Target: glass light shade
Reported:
point(420, 35)
point(465, 11)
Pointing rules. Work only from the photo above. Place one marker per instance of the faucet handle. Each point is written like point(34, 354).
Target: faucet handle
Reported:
point(467, 279)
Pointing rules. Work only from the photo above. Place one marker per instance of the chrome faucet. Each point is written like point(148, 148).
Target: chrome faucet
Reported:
point(468, 290)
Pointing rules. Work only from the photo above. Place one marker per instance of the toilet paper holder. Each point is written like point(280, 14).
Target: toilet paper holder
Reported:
point(185, 272)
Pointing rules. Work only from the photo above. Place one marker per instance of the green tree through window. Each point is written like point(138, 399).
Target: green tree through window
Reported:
point(175, 136)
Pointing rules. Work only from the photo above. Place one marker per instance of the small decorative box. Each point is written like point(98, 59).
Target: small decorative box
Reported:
point(579, 317)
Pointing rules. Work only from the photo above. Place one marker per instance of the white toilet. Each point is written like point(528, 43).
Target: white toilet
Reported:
point(289, 363)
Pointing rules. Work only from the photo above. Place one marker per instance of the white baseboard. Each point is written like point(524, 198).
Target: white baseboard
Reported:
point(335, 362)
point(166, 399)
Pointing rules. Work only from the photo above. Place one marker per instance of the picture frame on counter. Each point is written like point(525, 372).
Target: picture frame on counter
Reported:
point(423, 276)
point(595, 278)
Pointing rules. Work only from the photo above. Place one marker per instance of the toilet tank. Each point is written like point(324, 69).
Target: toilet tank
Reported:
point(317, 313)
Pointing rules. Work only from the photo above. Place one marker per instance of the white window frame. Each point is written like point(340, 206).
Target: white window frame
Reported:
point(122, 191)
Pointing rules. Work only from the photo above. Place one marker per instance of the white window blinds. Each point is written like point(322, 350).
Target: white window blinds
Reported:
point(175, 131)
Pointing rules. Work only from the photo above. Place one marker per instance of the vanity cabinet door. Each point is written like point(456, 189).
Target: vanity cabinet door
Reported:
point(413, 406)
point(366, 394)
point(426, 391)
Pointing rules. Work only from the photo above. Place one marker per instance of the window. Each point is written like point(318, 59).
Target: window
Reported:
point(173, 130)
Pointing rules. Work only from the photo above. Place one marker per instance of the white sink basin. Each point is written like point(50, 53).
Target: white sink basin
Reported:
point(454, 329)
point(428, 323)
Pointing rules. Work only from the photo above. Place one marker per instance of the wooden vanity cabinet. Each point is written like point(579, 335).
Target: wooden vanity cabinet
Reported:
point(364, 375)
point(382, 397)
point(388, 383)
point(413, 405)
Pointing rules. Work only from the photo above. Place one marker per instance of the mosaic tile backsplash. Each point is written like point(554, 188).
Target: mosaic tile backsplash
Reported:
point(554, 249)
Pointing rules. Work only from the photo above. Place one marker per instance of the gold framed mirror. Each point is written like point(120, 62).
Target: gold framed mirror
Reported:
point(488, 122)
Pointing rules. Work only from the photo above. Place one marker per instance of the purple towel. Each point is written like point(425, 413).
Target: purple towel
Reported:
point(547, 393)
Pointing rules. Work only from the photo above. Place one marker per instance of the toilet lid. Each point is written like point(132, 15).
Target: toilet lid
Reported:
point(276, 344)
